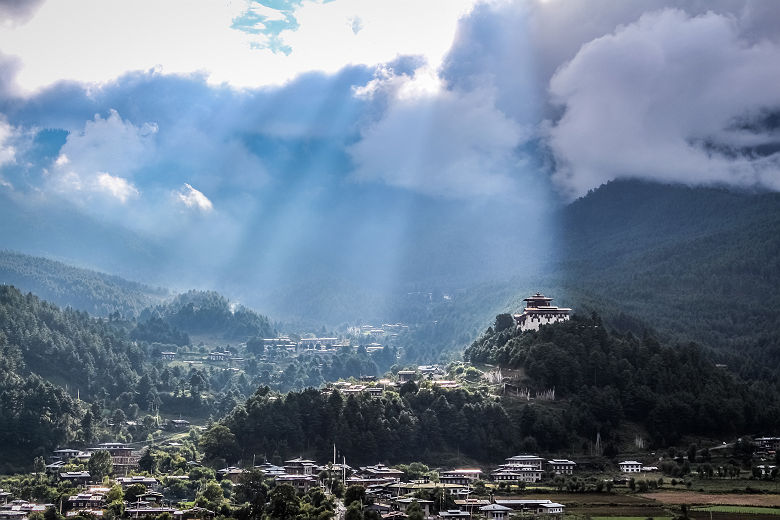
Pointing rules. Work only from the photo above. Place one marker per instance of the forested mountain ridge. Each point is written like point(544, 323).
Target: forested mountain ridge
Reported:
point(672, 390)
point(695, 264)
point(210, 313)
point(98, 293)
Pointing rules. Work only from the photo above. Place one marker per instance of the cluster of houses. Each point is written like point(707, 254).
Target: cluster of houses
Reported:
point(92, 500)
point(18, 509)
point(123, 459)
point(766, 446)
point(391, 495)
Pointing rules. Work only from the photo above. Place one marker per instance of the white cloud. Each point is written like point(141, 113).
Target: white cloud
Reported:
point(7, 149)
point(666, 98)
point(437, 141)
point(98, 40)
point(116, 186)
point(193, 199)
point(98, 159)
point(108, 145)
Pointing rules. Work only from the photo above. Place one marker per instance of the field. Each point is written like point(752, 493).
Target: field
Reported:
point(741, 509)
point(730, 499)
point(614, 506)
point(630, 518)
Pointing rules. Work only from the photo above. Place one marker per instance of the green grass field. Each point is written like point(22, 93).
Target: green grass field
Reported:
point(741, 509)
point(630, 518)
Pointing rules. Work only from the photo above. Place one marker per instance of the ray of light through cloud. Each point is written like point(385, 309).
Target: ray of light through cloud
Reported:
point(383, 141)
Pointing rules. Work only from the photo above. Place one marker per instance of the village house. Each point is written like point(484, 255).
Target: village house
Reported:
point(404, 503)
point(537, 506)
point(471, 505)
point(179, 424)
point(168, 356)
point(460, 476)
point(380, 471)
point(524, 461)
point(561, 466)
point(122, 457)
point(231, 473)
point(299, 482)
point(149, 483)
point(65, 454)
point(454, 513)
point(317, 342)
point(378, 507)
point(406, 375)
point(520, 468)
point(146, 512)
point(767, 444)
point(219, 356)
point(495, 511)
point(270, 470)
point(300, 466)
point(86, 502)
point(519, 474)
point(21, 509)
point(630, 466)
point(77, 478)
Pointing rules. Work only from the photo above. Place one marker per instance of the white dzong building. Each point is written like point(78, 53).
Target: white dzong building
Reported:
point(538, 311)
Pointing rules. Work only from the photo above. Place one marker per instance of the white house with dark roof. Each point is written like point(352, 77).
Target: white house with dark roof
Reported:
point(561, 466)
point(536, 506)
point(524, 460)
point(539, 311)
point(630, 466)
point(517, 474)
point(460, 476)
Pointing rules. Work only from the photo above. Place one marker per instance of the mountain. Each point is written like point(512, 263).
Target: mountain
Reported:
point(97, 293)
point(695, 264)
point(692, 264)
point(208, 313)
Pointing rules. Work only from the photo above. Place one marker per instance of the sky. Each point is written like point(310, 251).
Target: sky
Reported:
point(208, 143)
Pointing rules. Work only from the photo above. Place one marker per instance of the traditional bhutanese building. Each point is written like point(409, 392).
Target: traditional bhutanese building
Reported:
point(538, 311)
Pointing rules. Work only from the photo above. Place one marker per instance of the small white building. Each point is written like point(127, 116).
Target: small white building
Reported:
point(630, 466)
point(495, 511)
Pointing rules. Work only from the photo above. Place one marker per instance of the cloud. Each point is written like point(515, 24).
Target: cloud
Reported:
point(193, 199)
point(7, 149)
point(109, 144)
point(672, 98)
point(97, 160)
point(13, 12)
point(437, 141)
point(116, 186)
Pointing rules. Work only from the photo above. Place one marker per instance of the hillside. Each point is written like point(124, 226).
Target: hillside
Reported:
point(671, 390)
point(605, 383)
point(694, 264)
point(97, 293)
point(208, 313)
